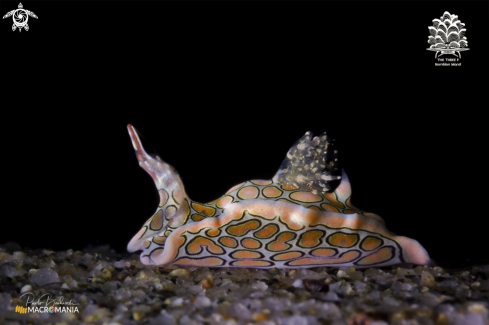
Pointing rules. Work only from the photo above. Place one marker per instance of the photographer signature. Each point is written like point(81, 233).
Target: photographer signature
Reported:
point(45, 300)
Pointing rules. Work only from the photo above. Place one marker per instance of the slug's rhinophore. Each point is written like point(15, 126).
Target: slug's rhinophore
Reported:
point(291, 220)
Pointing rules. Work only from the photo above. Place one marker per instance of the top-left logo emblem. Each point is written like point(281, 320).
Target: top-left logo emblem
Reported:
point(20, 17)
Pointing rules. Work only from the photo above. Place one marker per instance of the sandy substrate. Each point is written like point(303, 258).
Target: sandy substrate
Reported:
point(98, 286)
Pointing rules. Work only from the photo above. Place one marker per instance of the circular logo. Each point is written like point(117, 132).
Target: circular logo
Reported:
point(51, 309)
point(20, 17)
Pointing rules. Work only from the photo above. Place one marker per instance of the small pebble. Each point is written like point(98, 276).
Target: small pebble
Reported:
point(356, 276)
point(26, 288)
point(8, 270)
point(427, 279)
point(298, 283)
point(18, 255)
point(442, 319)
point(141, 275)
point(177, 302)
point(315, 285)
point(206, 283)
point(477, 308)
point(138, 315)
point(342, 274)
point(12, 246)
point(179, 272)
point(476, 284)
point(259, 317)
point(106, 274)
point(259, 285)
point(45, 276)
point(202, 301)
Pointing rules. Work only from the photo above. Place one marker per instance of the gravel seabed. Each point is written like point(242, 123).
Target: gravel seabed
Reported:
point(111, 288)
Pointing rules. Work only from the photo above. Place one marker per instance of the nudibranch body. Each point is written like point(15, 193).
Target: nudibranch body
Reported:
point(290, 221)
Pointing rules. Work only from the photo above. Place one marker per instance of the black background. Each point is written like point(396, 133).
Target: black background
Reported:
point(221, 90)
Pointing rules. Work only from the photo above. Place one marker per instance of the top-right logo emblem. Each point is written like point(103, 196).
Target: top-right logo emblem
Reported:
point(447, 36)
